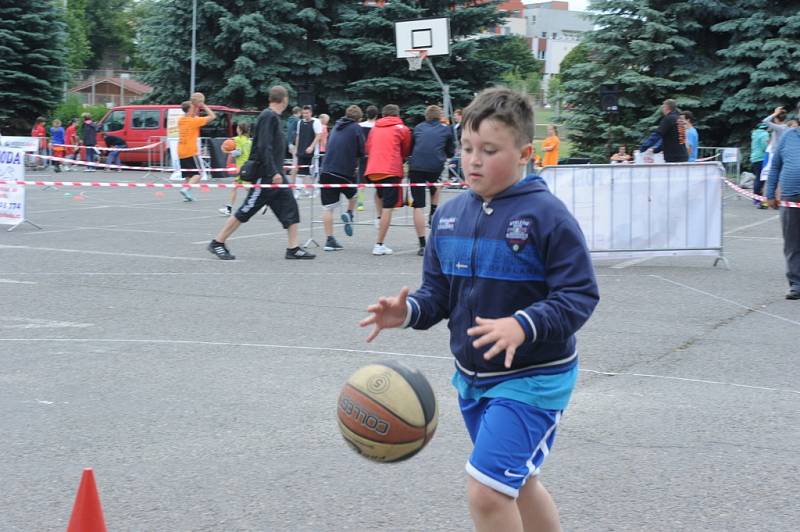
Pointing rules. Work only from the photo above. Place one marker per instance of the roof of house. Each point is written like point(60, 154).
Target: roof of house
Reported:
point(128, 84)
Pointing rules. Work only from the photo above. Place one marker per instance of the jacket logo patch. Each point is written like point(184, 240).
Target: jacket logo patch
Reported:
point(446, 224)
point(518, 232)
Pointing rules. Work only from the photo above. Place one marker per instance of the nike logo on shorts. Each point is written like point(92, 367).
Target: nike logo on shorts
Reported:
point(512, 475)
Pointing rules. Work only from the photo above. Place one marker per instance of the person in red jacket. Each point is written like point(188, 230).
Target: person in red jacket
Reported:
point(388, 146)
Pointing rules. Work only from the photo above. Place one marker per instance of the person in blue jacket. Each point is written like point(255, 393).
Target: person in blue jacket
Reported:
point(508, 266)
point(340, 166)
point(433, 144)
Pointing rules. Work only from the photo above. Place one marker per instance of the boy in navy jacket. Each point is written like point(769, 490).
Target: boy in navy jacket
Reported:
point(508, 266)
point(339, 167)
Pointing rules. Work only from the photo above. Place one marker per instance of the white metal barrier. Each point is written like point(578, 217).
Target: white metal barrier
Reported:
point(644, 210)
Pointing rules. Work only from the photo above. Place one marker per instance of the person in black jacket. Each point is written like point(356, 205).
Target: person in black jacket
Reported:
point(672, 129)
point(434, 143)
point(89, 140)
point(269, 147)
point(345, 148)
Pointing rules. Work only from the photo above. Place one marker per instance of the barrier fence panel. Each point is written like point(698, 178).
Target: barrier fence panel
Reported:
point(644, 210)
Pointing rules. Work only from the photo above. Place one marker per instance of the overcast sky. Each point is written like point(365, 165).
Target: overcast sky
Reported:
point(574, 5)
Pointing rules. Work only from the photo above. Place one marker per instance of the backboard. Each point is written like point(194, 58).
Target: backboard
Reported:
point(432, 34)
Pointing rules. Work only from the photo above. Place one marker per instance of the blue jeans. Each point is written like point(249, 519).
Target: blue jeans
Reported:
point(114, 157)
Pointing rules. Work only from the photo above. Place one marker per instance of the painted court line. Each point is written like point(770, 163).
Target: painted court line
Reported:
point(255, 235)
point(12, 281)
point(730, 301)
point(370, 352)
point(754, 224)
point(627, 263)
point(107, 253)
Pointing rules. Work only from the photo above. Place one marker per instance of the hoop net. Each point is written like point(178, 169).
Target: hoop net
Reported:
point(415, 61)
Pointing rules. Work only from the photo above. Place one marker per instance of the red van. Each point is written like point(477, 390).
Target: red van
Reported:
point(140, 125)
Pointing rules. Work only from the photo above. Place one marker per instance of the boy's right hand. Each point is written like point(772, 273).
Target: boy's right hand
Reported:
point(387, 313)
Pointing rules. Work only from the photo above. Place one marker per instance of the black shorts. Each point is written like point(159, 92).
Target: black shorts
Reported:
point(330, 196)
point(391, 197)
point(191, 163)
point(418, 193)
point(280, 200)
point(304, 162)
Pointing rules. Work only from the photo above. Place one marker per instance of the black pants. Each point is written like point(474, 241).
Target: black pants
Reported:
point(790, 223)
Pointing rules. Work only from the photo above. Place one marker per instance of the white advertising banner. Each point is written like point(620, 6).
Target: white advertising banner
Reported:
point(12, 197)
point(644, 210)
point(26, 144)
point(172, 141)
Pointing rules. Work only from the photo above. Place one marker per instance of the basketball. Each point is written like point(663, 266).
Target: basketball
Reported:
point(228, 145)
point(387, 412)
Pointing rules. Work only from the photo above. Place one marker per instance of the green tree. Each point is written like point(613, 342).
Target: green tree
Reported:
point(243, 48)
point(364, 40)
point(760, 65)
point(635, 48)
point(77, 43)
point(513, 51)
point(576, 56)
point(32, 71)
point(111, 32)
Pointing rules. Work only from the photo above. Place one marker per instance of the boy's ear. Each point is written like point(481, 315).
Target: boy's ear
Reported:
point(525, 154)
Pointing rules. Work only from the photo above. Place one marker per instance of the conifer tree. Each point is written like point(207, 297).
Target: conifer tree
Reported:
point(761, 64)
point(365, 41)
point(32, 72)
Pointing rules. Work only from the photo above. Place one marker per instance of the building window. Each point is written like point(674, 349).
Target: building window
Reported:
point(145, 119)
point(544, 35)
point(555, 35)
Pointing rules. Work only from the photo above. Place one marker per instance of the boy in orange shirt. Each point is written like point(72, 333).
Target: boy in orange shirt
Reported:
point(550, 147)
point(188, 133)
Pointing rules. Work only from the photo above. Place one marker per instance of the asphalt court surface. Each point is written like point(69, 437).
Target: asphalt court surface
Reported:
point(203, 393)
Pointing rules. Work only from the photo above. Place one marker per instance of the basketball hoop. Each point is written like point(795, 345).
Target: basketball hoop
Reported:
point(415, 60)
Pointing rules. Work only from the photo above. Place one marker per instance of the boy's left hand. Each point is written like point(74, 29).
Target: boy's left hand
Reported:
point(505, 333)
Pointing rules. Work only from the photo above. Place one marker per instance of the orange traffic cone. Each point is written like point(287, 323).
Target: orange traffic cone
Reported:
point(87, 514)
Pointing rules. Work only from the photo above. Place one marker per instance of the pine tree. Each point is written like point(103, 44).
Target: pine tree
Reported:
point(32, 72)
point(761, 65)
point(243, 48)
point(365, 42)
point(650, 51)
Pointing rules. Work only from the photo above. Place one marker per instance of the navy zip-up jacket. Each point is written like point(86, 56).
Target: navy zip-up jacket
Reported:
point(345, 148)
point(433, 144)
point(520, 255)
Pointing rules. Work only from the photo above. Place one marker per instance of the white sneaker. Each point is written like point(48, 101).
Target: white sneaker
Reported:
point(381, 249)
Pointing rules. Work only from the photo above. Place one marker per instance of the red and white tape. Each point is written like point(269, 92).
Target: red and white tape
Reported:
point(134, 184)
point(139, 168)
point(749, 194)
point(147, 147)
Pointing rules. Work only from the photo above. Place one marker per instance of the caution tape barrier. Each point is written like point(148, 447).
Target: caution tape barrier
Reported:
point(147, 147)
point(752, 195)
point(142, 168)
point(134, 184)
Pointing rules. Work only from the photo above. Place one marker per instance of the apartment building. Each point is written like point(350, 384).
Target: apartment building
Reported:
point(554, 30)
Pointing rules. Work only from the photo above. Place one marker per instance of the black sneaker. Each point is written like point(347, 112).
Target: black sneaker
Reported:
point(793, 295)
point(332, 245)
point(220, 251)
point(299, 253)
point(421, 252)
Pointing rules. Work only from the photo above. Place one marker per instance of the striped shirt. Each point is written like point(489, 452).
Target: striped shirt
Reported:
point(786, 166)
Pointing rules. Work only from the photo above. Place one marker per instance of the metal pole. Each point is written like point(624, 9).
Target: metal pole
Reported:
point(445, 89)
point(194, 44)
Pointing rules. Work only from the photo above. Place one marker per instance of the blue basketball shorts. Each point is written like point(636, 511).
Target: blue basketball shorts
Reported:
point(511, 440)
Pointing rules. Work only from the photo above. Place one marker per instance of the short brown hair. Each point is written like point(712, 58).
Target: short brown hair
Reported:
point(277, 94)
point(671, 104)
point(509, 107)
point(354, 113)
point(390, 110)
point(433, 112)
point(185, 106)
